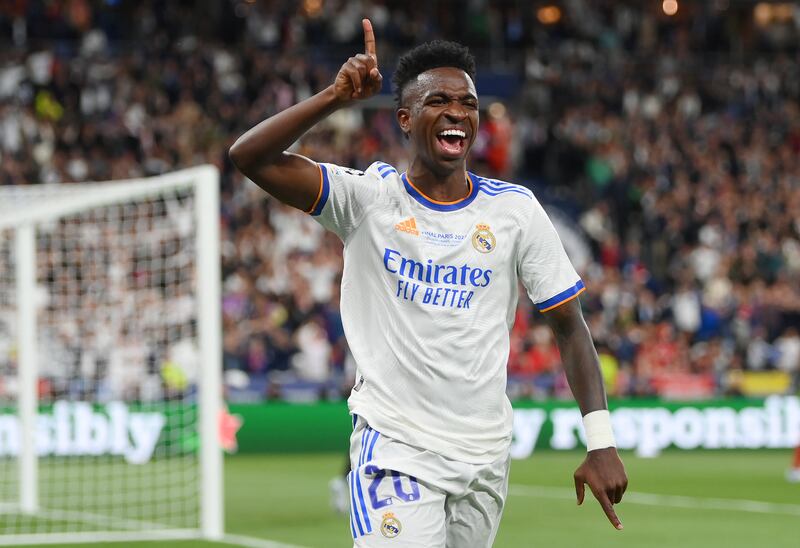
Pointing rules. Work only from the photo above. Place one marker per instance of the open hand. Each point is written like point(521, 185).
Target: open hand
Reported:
point(605, 474)
point(359, 77)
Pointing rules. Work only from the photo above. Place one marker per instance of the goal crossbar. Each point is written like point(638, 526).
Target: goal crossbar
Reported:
point(70, 198)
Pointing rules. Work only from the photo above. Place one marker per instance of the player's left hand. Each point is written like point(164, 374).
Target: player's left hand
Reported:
point(605, 474)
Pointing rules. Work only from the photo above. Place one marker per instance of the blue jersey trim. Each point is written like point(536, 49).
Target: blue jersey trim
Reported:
point(495, 184)
point(326, 188)
point(353, 503)
point(363, 447)
point(385, 169)
point(352, 522)
point(372, 445)
point(491, 187)
point(490, 192)
point(363, 504)
point(427, 202)
point(368, 439)
point(562, 297)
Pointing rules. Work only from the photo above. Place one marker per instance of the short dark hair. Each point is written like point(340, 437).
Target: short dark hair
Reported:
point(430, 55)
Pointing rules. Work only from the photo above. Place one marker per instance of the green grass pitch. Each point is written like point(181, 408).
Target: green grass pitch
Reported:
point(681, 499)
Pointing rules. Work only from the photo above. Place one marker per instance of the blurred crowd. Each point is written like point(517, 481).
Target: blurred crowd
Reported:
point(669, 143)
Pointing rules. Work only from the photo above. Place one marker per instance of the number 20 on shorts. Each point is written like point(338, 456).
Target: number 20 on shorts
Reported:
point(397, 481)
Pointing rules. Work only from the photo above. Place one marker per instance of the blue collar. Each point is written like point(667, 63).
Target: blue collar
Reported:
point(442, 206)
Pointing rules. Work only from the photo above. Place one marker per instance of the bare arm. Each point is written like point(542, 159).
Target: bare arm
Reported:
point(578, 355)
point(602, 470)
point(261, 152)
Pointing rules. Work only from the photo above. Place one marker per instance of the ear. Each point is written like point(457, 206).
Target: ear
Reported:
point(404, 120)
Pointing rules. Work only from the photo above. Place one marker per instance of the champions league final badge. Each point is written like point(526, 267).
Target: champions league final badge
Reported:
point(390, 526)
point(483, 240)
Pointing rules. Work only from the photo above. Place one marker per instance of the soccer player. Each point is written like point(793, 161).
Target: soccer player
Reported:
point(432, 258)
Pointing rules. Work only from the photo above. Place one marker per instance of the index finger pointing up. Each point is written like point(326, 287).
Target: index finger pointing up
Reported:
point(369, 39)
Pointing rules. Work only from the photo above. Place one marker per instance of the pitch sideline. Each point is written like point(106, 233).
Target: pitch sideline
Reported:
point(675, 501)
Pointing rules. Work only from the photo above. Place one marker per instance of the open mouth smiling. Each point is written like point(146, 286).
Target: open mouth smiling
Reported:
point(452, 142)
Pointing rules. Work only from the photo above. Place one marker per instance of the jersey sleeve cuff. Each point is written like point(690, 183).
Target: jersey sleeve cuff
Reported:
point(324, 191)
point(561, 298)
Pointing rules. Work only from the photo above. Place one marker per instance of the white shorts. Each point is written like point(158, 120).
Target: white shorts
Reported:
point(403, 496)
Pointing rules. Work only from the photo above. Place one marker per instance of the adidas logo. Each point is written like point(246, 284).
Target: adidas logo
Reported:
point(409, 226)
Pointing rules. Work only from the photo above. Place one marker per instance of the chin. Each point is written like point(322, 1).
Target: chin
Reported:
point(446, 166)
point(452, 160)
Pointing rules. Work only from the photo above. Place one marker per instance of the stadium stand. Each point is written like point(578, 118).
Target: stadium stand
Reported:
point(673, 144)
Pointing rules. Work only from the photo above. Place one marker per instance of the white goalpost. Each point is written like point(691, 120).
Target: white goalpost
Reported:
point(110, 360)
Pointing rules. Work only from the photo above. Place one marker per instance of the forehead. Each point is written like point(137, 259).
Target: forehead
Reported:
point(448, 80)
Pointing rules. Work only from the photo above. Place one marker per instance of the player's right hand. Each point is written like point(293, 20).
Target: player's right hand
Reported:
point(359, 77)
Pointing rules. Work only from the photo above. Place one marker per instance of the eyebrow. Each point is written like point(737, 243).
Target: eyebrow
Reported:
point(448, 96)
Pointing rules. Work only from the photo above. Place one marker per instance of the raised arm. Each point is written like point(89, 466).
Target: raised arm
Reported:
point(261, 152)
point(602, 470)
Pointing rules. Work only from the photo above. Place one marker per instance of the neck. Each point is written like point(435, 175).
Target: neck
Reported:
point(447, 186)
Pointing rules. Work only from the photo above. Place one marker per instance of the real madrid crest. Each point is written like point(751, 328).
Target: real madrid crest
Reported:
point(483, 240)
point(390, 526)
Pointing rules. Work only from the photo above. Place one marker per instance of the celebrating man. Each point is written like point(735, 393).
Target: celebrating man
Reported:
point(433, 257)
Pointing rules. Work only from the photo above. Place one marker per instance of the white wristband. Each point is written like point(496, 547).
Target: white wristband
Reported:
point(599, 434)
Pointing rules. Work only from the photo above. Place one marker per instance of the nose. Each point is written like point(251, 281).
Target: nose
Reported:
point(455, 112)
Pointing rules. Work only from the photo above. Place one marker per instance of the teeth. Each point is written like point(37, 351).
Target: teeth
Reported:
point(454, 132)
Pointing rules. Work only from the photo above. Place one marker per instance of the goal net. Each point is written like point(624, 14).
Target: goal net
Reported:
point(110, 360)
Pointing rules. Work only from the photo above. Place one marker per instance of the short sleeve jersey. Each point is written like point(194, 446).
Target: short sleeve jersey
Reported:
point(429, 292)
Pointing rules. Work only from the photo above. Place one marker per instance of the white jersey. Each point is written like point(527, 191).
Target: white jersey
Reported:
point(428, 296)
